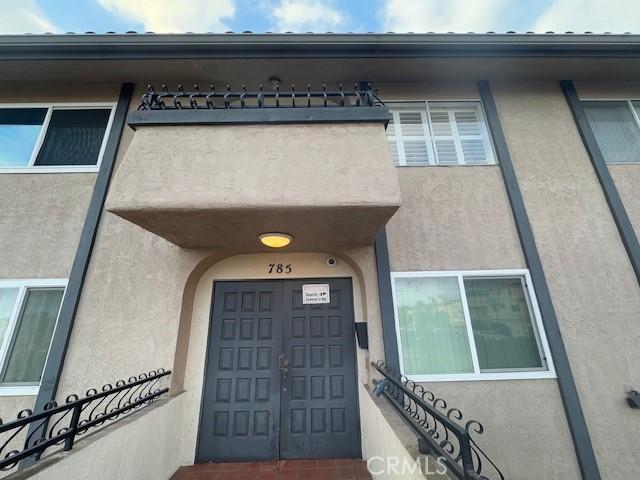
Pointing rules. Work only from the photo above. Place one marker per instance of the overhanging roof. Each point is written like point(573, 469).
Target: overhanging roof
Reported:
point(267, 45)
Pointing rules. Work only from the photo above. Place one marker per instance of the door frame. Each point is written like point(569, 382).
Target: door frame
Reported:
point(208, 346)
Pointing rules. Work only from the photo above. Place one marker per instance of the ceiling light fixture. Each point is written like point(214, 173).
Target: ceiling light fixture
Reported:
point(275, 239)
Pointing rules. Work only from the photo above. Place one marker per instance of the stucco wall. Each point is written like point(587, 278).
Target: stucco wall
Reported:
point(109, 454)
point(627, 181)
point(625, 177)
point(389, 446)
point(129, 312)
point(459, 218)
point(453, 218)
point(594, 290)
point(43, 213)
point(41, 221)
point(136, 309)
point(237, 181)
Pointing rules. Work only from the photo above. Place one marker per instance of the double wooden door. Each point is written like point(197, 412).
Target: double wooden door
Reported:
point(280, 379)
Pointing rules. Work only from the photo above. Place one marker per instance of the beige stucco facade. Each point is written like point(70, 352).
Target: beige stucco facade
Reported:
point(303, 179)
point(594, 290)
point(43, 213)
point(177, 220)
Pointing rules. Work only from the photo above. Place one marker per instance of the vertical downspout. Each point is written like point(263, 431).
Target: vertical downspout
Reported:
point(389, 338)
point(627, 233)
point(60, 341)
point(568, 391)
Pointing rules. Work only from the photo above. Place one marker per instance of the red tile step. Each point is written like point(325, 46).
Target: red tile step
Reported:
point(321, 469)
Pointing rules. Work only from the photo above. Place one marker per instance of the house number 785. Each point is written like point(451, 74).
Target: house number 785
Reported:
point(279, 268)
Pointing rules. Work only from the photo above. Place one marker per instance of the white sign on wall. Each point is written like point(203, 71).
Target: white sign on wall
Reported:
point(315, 293)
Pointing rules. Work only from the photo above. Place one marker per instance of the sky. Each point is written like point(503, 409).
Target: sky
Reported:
point(163, 16)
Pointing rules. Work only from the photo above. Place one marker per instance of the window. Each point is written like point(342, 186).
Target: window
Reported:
point(439, 133)
point(28, 315)
point(53, 138)
point(616, 126)
point(469, 326)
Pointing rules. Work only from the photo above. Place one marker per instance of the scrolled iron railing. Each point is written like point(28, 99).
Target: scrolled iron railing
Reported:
point(212, 99)
point(59, 425)
point(437, 426)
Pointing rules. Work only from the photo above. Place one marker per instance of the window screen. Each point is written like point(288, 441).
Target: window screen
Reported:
point(34, 331)
point(453, 324)
point(616, 131)
point(74, 137)
point(502, 324)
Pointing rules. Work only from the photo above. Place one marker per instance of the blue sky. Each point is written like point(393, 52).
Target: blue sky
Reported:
point(38, 16)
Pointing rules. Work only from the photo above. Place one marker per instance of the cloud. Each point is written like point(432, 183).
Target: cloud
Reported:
point(170, 16)
point(306, 16)
point(443, 15)
point(590, 15)
point(23, 17)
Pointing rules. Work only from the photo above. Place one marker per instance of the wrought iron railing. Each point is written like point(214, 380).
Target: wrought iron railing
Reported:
point(212, 99)
point(437, 426)
point(59, 425)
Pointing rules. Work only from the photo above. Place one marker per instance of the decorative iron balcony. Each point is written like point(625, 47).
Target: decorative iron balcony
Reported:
point(437, 426)
point(227, 106)
point(61, 424)
point(360, 96)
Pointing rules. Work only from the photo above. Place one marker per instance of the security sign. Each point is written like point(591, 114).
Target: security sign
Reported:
point(315, 293)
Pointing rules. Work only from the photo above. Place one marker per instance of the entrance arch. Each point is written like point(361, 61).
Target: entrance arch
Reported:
point(246, 267)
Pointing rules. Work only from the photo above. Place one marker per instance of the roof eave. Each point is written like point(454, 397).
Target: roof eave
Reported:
point(166, 46)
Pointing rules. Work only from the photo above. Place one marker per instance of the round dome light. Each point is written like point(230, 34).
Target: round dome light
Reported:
point(275, 240)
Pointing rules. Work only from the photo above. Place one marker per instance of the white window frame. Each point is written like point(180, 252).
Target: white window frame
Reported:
point(423, 107)
point(634, 114)
point(536, 317)
point(31, 168)
point(23, 287)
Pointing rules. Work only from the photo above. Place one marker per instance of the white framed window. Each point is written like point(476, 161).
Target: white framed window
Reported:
point(53, 138)
point(439, 133)
point(616, 126)
point(28, 315)
point(469, 325)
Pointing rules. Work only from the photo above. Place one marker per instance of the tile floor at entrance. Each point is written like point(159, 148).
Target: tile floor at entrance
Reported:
point(325, 469)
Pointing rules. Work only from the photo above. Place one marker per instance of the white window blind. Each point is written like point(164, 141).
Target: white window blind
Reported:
point(408, 136)
point(439, 133)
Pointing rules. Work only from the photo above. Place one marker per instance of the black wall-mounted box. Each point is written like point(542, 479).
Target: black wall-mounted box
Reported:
point(362, 334)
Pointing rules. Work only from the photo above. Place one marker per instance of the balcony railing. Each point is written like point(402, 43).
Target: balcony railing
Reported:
point(437, 426)
point(242, 106)
point(361, 96)
point(59, 425)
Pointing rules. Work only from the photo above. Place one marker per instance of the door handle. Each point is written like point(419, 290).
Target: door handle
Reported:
point(283, 365)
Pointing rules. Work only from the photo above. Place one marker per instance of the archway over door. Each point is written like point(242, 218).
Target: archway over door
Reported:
point(357, 264)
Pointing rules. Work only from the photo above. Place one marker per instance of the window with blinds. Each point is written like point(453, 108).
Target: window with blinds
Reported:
point(439, 133)
point(616, 126)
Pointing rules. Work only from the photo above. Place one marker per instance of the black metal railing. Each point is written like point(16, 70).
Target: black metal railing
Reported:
point(437, 426)
point(59, 425)
point(361, 96)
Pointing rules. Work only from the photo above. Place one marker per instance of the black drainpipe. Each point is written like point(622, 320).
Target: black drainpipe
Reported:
point(570, 399)
point(387, 314)
point(627, 233)
point(64, 327)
